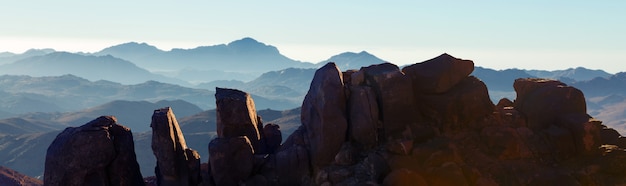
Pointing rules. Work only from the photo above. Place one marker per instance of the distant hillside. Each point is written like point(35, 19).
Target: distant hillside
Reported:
point(90, 67)
point(246, 56)
point(71, 93)
point(26, 153)
point(6, 57)
point(576, 74)
point(499, 80)
point(350, 60)
point(133, 114)
point(615, 84)
point(20, 125)
point(10, 177)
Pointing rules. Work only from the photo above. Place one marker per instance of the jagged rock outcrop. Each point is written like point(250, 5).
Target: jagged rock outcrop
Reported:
point(394, 96)
point(324, 115)
point(10, 177)
point(433, 124)
point(176, 163)
point(231, 160)
point(100, 152)
point(236, 116)
point(438, 75)
point(234, 158)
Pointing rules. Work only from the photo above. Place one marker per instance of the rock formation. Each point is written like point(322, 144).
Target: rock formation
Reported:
point(430, 123)
point(427, 124)
point(176, 164)
point(100, 152)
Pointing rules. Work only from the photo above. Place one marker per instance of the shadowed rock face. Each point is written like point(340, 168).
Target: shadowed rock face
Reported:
point(176, 164)
point(100, 152)
point(236, 116)
point(433, 124)
point(324, 115)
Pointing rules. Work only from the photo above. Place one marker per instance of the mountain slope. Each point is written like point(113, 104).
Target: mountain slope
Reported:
point(350, 60)
point(90, 67)
point(243, 56)
point(10, 177)
point(576, 74)
point(7, 58)
point(133, 114)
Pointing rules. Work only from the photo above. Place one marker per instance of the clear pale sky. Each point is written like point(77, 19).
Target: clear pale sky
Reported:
point(495, 34)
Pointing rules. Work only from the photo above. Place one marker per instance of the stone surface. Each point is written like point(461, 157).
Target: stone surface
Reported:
point(273, 137)
point(176, 163)
point(324, 115)
point(438, 75)
point(404, 177)
point(461, 107)
point(364, 116)
point(100, 152)
point(236, 116)
point(394, 95)
point(544, 101)
point(505, 143)
point(231, 160)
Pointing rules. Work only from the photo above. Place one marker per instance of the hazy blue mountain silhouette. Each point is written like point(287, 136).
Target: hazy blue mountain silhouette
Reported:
point(7, 57)
point(350, 60)
point(70, 93)
point(576, 74)
point(133, 114)
point(202, 76)
point(244, 56)
point(90, 67)
point(499, 80)
point(615, 84)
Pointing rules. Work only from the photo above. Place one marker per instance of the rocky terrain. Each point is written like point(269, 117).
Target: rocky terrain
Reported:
point(429, 123)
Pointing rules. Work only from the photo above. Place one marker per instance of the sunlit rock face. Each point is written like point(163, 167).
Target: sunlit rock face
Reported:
point(100, 152)
point(176, 163)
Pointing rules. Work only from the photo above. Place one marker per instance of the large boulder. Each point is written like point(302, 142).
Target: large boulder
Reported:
point(288, 167)
point(394, 95)
point(438, 75)
point(506, 143)
point(176, 163)
point(100, 152)
point(544, 101)
point(273, 137)
point(547, 102)
point(324, 115)
point(364, 116)
point(463, 105)
point(231, 160)
point(236, 116)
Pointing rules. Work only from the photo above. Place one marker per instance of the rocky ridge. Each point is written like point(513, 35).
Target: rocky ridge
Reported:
point(430, 123)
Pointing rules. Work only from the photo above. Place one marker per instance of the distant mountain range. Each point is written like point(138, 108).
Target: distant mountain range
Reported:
point(244, 56)
point(93, 68)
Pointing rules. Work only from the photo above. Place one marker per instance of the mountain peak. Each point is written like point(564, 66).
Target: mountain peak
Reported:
point(135, 48)
point(248, 44)
point(351, 60)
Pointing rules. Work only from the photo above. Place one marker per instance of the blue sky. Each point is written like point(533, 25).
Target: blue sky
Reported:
point(495, 34)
